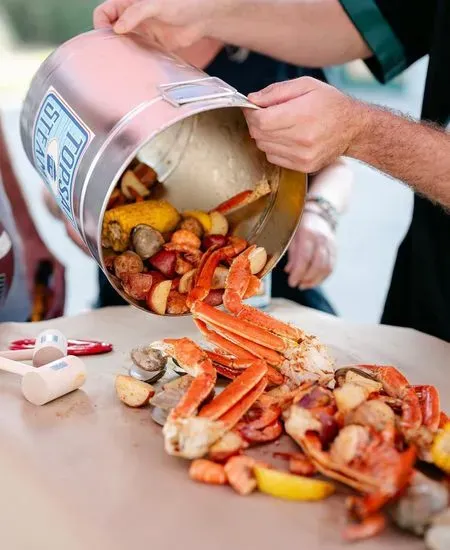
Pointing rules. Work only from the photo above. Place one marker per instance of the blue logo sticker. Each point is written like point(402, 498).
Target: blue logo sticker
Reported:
point(49, 338)
point(60, 365)
point(51, 167)
point(60, 140)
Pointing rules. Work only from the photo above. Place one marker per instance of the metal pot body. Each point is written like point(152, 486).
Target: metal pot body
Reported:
point(101, 100)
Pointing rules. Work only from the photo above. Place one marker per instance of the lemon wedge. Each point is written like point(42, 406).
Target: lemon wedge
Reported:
point(291, 487)
point(440, 450)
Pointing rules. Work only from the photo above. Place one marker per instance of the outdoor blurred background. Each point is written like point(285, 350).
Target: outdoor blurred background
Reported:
point(368, 234)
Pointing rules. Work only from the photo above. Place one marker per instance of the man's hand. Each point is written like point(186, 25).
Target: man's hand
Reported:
point(312, 253)
point(173, 24)
point(304, 124)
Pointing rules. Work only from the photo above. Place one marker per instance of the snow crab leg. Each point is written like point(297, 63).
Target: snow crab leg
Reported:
point(190, 434)
point(243, 330)
point(208, 264)
point(230, 368)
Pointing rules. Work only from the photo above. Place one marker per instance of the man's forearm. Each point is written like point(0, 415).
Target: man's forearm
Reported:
point(314, 33)
point(415, 153)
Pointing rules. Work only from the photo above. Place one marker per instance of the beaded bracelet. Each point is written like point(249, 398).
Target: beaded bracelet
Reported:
point(327, 211)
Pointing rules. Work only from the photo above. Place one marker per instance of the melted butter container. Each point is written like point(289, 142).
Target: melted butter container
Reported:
point(101, 100)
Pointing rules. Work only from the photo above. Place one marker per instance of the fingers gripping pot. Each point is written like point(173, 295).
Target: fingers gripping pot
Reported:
point(102, 100)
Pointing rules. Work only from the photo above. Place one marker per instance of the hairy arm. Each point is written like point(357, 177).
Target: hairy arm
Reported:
point(413, 152)
point(311, 33)
point(306, 125)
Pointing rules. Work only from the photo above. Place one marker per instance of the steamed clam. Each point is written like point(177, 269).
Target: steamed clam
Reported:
point(168, 398)
point(149, 364)
point(418, 506)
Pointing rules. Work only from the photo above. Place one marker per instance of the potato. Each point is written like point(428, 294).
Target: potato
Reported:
point(165, 261)
point(214, 297)
point(187, 282)
point(219, 224)
point(258, 259)
point(219, 278)
point(132, 392)
point(158, 296)
point(213, 240)
point(132, 187)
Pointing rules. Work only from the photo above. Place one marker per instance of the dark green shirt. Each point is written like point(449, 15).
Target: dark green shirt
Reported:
point(399, 32)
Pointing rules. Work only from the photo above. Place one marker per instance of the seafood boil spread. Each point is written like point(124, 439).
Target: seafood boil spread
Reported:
point(363, 427)
point(252, 405)
point(259, 381)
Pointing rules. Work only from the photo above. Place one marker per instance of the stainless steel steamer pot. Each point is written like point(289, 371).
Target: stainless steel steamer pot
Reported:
point(100, 100)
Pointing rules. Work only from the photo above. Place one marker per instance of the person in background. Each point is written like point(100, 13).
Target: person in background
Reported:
point(32, 280)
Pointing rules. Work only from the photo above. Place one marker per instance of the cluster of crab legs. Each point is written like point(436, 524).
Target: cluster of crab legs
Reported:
point(364, 425)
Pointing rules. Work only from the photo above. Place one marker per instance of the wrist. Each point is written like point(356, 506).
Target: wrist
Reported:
point(315, 204)
point(364, 121)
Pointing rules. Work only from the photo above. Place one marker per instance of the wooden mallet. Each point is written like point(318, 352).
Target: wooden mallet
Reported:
point(48, 382)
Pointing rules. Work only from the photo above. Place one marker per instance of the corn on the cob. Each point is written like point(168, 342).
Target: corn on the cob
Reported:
point(119, 222)
point(440, 451)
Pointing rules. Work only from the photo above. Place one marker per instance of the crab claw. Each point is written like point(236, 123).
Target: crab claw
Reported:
point(191, 437)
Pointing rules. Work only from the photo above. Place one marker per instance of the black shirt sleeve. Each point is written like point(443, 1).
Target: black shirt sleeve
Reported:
point(398, 32)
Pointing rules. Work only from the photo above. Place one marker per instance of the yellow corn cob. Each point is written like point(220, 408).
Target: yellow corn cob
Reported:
point(119, 222)
point(440, 451)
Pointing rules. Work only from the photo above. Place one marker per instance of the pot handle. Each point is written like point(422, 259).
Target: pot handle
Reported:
point(193, 91)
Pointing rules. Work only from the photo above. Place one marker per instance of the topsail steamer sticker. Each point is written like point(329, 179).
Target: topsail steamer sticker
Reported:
point(60, 140)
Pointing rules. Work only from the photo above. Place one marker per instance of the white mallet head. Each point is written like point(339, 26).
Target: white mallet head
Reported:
point(50, 345)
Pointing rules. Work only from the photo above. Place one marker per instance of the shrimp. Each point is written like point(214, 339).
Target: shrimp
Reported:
point(206, 471)
point(184, 237)
point(239, 472)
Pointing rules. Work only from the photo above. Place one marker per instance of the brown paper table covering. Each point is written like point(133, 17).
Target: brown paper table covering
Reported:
point(85, 472)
